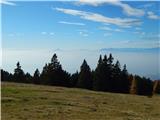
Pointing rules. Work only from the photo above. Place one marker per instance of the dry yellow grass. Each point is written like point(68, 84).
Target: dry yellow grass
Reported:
point(36, 102)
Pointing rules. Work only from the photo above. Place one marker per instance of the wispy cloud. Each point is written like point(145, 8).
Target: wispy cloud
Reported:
point(105, 28)
point(47, 33)
point(153, 16)
point(6, 2)
point(111, 29)
point(71, 23)
point(82, 30)
point(51, 33)
point(127, 9)
point(43, 33)
point(84, 34)
point(125, 22)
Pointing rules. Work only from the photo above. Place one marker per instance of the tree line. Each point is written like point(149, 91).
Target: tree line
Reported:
point(108, 76)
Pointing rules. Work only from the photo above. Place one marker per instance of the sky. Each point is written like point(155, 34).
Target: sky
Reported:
point(33, 30)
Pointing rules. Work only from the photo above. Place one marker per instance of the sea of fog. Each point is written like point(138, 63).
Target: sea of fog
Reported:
point(143, 63)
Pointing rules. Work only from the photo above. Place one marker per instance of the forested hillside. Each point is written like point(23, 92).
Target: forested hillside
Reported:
point(108, 76)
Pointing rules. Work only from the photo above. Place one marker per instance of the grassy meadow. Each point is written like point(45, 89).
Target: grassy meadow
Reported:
point(36, 102)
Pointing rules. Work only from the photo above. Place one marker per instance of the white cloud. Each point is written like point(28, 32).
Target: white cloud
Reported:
point(48, 33)
point(7, 2)
point(127, 9)
point(88, 2)
point(71, 23)
point(125, 22)
point(80, 32)
point(51, 33)
point(83, 30)
point(153, 16)
point(84, 34)
point(110, 29)
point(43, 33)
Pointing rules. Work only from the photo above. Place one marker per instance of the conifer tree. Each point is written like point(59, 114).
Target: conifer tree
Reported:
point(125, 81)
point(6, 76)
point(157, 90)
point(28, 78)
point(44, 76)
point(74, 79)
point(53, 74)
point(110, 82)
point(106, 77)
point(98, 76)
point(144, 86)
point(102, 74)
point(116, 77)
point(19, 75)
point(36, 77)
point(55, 64)
point(105, 84)
point(85, 77)
point(110, 59)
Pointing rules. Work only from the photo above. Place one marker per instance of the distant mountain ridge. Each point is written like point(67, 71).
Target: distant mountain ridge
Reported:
point(156, 49)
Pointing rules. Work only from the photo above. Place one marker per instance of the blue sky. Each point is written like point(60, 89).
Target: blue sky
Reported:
point(77, 25)
point(98, 24)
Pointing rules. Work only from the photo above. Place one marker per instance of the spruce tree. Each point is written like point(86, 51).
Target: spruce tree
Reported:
point(74, 79)
point(53, 74)
point(44, 76)
point(85, 77)
point(125, 81)
point(101, 75)
point(144, 86)
point(55, 64)
point(158, 87)
point(6, 76)
point(110, 59)
point(98, 76)
point(19, 75)
point(116, 77)
point(110, 73)
point(105, 82)
point(28, 78)
point(36, 77)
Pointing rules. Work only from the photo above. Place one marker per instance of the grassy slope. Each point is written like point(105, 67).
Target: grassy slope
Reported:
point(31, 102)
